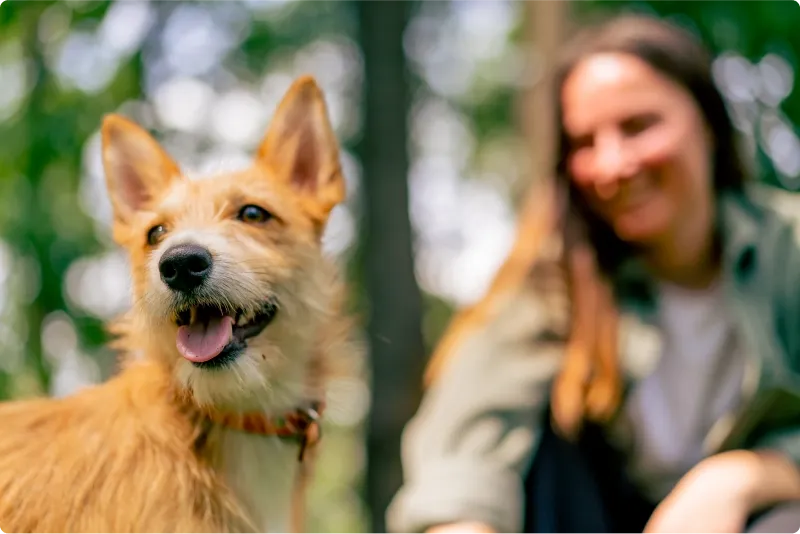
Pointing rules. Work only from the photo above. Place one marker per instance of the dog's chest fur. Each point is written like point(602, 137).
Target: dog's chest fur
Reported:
point(262, 472)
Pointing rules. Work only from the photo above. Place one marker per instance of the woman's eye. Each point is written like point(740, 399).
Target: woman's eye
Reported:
point(156, 234)
point(253, 214)
point(638, 124)
point(583, 141)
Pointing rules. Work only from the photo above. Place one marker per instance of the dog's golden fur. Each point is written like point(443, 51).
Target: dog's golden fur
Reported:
point(136, 453)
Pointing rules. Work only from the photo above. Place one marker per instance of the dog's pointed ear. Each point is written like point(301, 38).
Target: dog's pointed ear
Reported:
point(137, 169)
point(300, 148)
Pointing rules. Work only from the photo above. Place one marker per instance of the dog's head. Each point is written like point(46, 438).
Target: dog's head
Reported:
point(230, 285)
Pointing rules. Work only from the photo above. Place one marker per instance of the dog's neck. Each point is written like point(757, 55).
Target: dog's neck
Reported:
point(256, 453)
point(264, 472)
point(288, 408)
point(259, 455)
point(301, 426)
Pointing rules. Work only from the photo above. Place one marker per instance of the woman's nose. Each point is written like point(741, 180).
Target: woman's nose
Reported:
point(612, 164)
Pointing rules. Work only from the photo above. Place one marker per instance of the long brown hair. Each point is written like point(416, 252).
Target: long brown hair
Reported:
point(589, 385)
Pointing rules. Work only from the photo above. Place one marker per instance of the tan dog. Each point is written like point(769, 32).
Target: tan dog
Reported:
point(235, 312)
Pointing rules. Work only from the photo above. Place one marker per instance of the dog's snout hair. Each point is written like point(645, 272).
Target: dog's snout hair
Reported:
point(185, 267)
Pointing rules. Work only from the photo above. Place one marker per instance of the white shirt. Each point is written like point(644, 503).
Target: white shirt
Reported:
point(697, 379)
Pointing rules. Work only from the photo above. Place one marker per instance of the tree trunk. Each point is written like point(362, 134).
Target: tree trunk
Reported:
point(394, 301)
point(546, 25)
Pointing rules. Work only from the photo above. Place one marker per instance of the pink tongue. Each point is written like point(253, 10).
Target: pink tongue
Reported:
point(199, 342)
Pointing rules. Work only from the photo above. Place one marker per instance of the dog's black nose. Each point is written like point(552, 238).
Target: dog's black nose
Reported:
point(185, 267)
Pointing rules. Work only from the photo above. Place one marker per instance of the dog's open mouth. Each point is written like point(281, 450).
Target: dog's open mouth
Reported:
point(207, 333)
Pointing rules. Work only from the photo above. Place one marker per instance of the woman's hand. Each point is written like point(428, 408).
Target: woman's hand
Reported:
point(705, 500)
point(720, 493)
point(465, 526)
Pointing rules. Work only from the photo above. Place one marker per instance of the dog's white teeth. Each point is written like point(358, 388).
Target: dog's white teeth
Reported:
point(241, 321)
point(193, 314)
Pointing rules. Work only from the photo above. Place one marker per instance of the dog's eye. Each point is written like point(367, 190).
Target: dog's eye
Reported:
point(155, 235)
point(254, 214)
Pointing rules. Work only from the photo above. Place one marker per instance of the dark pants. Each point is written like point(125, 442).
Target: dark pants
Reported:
point(582, 487)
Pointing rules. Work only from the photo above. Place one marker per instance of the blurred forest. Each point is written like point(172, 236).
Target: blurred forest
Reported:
point(428, 100)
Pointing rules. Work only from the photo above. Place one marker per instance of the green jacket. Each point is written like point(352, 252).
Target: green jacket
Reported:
point(468, 449)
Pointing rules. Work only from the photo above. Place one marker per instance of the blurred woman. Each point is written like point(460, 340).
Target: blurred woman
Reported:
point(650, 305)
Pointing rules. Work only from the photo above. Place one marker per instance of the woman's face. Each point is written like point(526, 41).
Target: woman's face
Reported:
point(640, 148)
